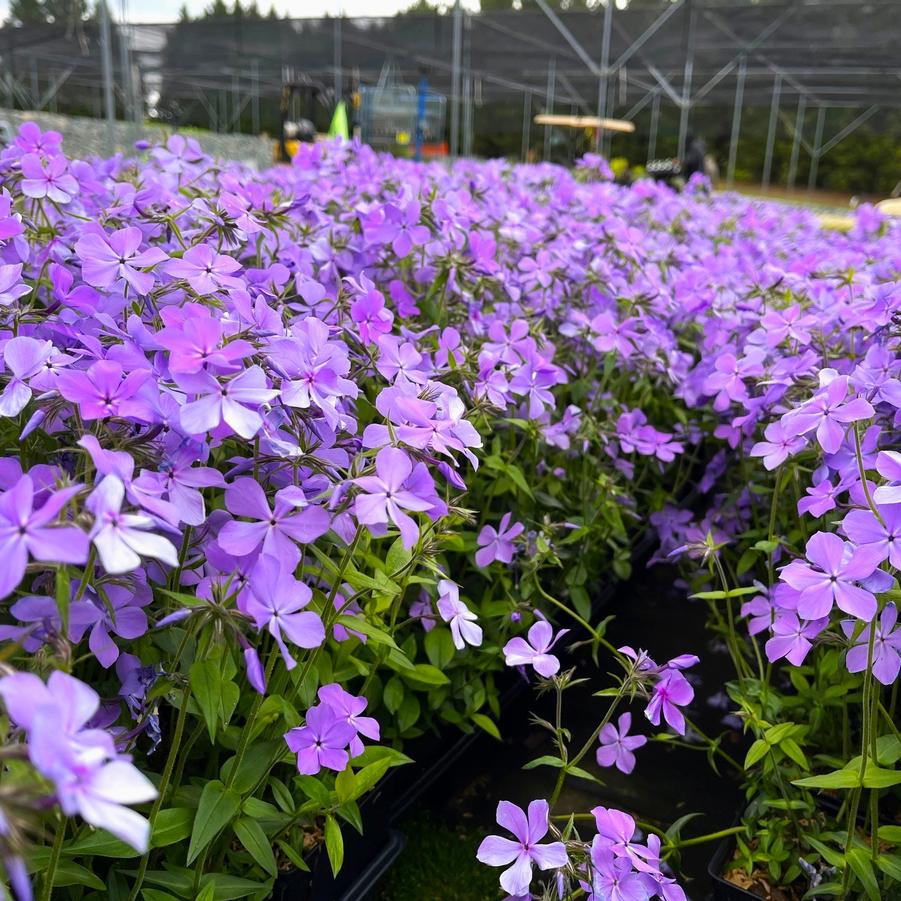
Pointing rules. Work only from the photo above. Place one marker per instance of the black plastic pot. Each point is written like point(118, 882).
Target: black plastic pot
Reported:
point(723, 890)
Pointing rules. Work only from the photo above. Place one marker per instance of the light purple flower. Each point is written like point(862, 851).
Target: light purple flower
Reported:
point(534, 652)
point(322, 741)
point(617, 746)
point(276, 601)
point(349, 706)
point(464, 628)
point(497, 544)
point(792, 637)
point(26, 532)
point(121, 538)
point(48, 179)
point(829, 412)
point(778, 446)
point(671, 691)
point(111, 259)
point(886, 646)
point(838, 566)
point(205, 270)
point(497, 851)
point(386, 496)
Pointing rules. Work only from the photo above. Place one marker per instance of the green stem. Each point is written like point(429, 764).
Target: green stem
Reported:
point(55, 852)
point(174, 749)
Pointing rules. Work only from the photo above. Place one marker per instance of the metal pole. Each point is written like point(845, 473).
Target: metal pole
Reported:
point(815, 156)
point(655, 121)
point(255, 97)
point(339, 87)
point(687, 74)
point(771, 132)
point(125, 67)
point(604, 77)
point(549, 103)
point(796, 141)
point(467, 87)
point(106, 55)
point(35, 86)
point(456, 63)
point(736, 120)
point(526, 124)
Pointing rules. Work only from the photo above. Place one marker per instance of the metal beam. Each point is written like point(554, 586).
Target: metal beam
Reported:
point(652, 134)
point(604, 69)
point(736, 122)
point(549, 107)
point(569, 37)
point(796, 141)
point(456, 64)
point(526, 124)
point(815, 156)
point(647, 34)
point(667, 87)
point(106, 53)
point(771, 132)
point(849, 129)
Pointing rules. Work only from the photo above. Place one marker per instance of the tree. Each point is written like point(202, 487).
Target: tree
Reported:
point(216, 10)
point(183, 14)
point(41, 12)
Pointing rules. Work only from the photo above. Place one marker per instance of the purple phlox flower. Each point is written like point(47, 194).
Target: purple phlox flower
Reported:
point(423, 609)
point(529, 829)
point(368, 311)
point(11, 285)
point(103, 389)
point(234, 402)
point(31, 139)
point(278, 530)
point(111, 259)
point(49, 178)
point(778, 446)
point(82, 763)
point(505, 347)
point(276, 601)
point(322, 741)
point(888, 465)
point(316, 368)
point(402, 228)
point(829, 411)
point(388, 493)
point(886, 646)
point(121, 538)
point(464, 628)
point(610, 335)
point(497, 544)
point(349, 706)
point(205, 270)
point(790, 322)
point(26, 532)
point(616, 830)
point(792, 636)
point(196, 344)
point(759, 613)
point(119, 613)
point(671, 691)
point(865, 530)
point(43, 622)
point(837, 565)
point(400, 360)
point(25, 358)
point(181, 481)
point(178, 155)
point(727, 381)
point(617, 746)
point(613, 878)
point(822, 496)
point(535, 651)
point(533, 380)
point(136, 680)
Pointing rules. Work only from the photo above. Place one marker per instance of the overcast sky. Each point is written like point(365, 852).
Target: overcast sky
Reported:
point(167, 10)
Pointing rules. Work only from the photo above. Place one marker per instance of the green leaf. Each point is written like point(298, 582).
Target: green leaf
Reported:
point(217, 807)
point(439, 647)
point(251, 835)
point(547, 760)
point(208, 689)
point(154, 894)
point(63, 593)
point(793, 750)
point(207, 893)
point(171, 825)
point(398, 557)
point(863, 869)
point(723, 595)
point(890, 864)
point(100, 843)
point(426, 674)
point(486, 723)
point(70, 873)
point(890, 834)
point(334, 843)
point(345, 786)
point(359, 624)
point(227, 888)
point(393, 695)
point(756, 753)
point(368, 777)
point(843, 778)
